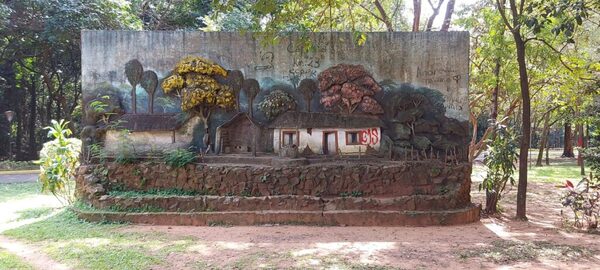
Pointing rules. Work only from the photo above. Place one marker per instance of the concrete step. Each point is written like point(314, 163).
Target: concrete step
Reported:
point(281, 203)
point(323, 218)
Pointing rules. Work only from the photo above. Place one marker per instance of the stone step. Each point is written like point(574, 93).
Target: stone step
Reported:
point(281, 202)
point(324, 218)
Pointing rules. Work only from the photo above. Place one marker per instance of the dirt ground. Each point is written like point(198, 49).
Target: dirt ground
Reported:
point(494, 242)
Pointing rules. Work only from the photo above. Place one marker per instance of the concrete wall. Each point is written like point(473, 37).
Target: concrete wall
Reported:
point(315, 139)
point(438, 60)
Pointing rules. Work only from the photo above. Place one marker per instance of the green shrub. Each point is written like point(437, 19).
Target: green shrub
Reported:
point(126, 152)
point(179, 157)
point(584, 201)
point(59, 160)
point(500, 162)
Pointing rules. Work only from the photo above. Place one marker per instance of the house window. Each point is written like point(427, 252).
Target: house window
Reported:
point(352, 137)
point(289, 138)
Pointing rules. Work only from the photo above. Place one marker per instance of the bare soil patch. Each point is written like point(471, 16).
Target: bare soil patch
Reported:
point(499, 241)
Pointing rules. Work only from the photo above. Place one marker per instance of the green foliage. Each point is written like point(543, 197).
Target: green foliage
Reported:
point(274, 19)
point(179, 157)
point(101, 107)
point(59, 160)
point(97, 152)
point(500, 162)
point(276, 103)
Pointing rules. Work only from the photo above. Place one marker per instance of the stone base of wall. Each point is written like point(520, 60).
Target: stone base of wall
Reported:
point(382, 193)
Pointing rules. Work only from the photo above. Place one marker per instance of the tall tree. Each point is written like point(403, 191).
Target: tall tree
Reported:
point(525, 21)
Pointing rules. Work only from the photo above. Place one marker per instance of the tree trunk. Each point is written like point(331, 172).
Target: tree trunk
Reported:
point(32, 119)
point(491, 202)
point(543, 140)
point(581, 145)
point(579, 139)
point(494, 112)
point(526, 128)
point(436, 11)
point(547, 151)
point(568, 141)
point(417, 15)
point(448, 16)
point(384, 17)
point(7, 103)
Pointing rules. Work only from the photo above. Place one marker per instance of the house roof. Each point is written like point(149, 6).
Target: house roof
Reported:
point(238, 116)
point(150, 122)
point(292, 119)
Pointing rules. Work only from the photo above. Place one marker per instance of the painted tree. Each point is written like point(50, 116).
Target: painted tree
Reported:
point(345, 88)
point(193, 80)
point(134, 72)
point(308, 88)
point(149, 82)
point(235, 80)
point(251, 89)
point(276, 103)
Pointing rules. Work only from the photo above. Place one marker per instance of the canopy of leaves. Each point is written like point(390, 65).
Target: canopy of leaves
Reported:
point(276, 103)
point(193, 80)
point(348, 87)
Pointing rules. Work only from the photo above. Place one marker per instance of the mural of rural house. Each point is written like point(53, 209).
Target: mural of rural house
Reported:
point(326, 133)
point(150, 132)
point(240, 134)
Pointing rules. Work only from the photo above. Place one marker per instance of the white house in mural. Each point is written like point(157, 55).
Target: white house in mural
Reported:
point(151, 132)
point(326, 133)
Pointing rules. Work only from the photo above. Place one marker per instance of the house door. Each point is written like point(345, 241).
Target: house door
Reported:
point(329, 143)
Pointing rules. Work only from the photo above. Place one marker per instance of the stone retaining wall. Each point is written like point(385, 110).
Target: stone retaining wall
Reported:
point(383, 179)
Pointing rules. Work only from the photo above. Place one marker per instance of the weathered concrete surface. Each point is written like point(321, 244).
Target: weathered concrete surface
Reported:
point(334, 218)
point(438, 60)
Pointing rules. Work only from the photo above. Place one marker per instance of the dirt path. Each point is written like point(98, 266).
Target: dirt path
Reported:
point(30, 254)
point(24, 177)
point(539, 243)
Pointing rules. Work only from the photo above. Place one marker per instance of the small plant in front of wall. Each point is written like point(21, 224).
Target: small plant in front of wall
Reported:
point(100, 107)
point(126, 152)
point(59, 160)
point(179, 157)
point(97, 152)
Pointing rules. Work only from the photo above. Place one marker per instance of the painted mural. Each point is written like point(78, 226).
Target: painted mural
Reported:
point(401, 96)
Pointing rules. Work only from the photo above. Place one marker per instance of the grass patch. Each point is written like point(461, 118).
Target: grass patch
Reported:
point(87, 245)
point(555, 173)
point(63, 226)
point(11, 261)
point(34, 213)
point(116, 208)
point(504, 252)
point(84, 255)
point(9, 192)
